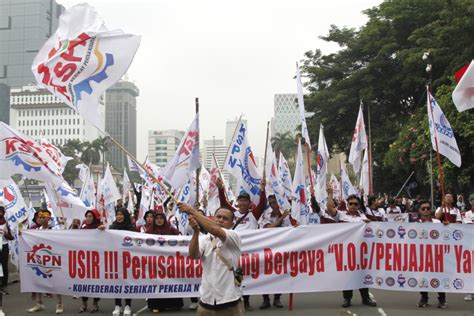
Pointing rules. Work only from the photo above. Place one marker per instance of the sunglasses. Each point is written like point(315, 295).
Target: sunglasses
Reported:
point(426, 208)
point(353, 203)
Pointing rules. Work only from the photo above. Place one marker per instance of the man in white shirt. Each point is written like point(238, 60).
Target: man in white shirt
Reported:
point(220, 292)
point(448, 212)
point(426, 217)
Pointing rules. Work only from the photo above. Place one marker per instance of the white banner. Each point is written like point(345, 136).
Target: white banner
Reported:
point(392, 256)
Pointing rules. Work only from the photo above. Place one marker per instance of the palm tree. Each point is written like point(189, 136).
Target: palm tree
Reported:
point(283, 143)
point(100, 145)
point(90, 154)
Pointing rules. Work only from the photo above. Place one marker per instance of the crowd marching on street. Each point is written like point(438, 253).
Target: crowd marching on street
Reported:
point(185, 199)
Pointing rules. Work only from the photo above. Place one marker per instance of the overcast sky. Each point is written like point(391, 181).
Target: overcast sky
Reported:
point(233, 55)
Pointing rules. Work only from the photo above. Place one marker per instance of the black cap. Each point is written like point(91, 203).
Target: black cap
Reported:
point(244, 195)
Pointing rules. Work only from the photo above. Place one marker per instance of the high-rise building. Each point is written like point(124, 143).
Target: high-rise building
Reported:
point(162, 145)
point(121, 121)
point(4, 103)
point(230, 129)
point(37, 113)
point(286, 114)
point(219, 149)
point(24, 27)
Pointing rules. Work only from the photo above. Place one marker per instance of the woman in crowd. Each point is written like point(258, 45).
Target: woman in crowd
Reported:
point(162, 227)
point(122, 222)
point(149, 217)
point(91, 221)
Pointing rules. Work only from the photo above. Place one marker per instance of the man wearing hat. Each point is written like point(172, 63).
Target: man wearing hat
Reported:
point(245, 216)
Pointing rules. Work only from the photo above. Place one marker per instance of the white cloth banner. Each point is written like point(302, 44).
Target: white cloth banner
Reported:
point(391, 256)
point(82, 59)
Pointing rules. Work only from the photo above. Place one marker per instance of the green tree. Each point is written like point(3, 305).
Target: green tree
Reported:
point(381, 64)
point(90, 154)
point(283, 143)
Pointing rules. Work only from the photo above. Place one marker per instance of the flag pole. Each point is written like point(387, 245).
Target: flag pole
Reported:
point(436, 142)
point(266, 148)
point(220, 173)
point(309, 165)
point(197, 169)
point(369, 152)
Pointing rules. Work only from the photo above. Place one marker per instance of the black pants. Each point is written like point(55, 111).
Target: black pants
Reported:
point(347, 294)
point(128, 301)
point(194, 299)
point(266, 297)
point(96, 299)
point(246, 299)
point(4, 259)
point(441, 296)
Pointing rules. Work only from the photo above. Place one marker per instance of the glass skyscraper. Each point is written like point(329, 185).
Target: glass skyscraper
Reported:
point(24, 27)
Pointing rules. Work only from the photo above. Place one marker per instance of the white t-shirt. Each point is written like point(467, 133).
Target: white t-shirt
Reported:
point(217, 285)
point(267, 218)
point(380, 212)
point(344, 216)
point(452, 211)
point(468, 217)
point(248, 223)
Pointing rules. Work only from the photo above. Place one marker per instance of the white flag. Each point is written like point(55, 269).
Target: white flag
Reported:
point(359, 142)
point(83, 172)
point(82, 59)
point(240, 162)
point(186, 159)
point(299, 87)
point(463, 94)
point(364, 176)
point(51, 205)
point(56, 156)
point(346, 184)
point(21, 154)
point(441, 130)
point(144, 204)
point(336, 187)
point(285, 175)
point(108, 188)
point(88, 192)
point(125, 185)
point(15, 207)
point(213, 202)
point(133, 166)
point(322, 168)
point(69, 201)
point(274, 185)
point(299, 208)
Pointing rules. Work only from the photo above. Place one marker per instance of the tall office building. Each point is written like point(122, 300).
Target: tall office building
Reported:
point(4, 103)
point(121, 121)
point(37, 113)
point(162, 145)
point(230, 129)
point(286, 114)
point(219, 149)
point(24, 27)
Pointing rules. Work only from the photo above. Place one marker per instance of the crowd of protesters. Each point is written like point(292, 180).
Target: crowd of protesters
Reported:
point(247, 216)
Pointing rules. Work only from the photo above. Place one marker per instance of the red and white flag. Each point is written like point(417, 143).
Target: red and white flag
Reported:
point(463, 94)
point(322, 168)
point(186, 159)
point(359, 141)
point(82, 59)
point(299, 207)
point(21, 154)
